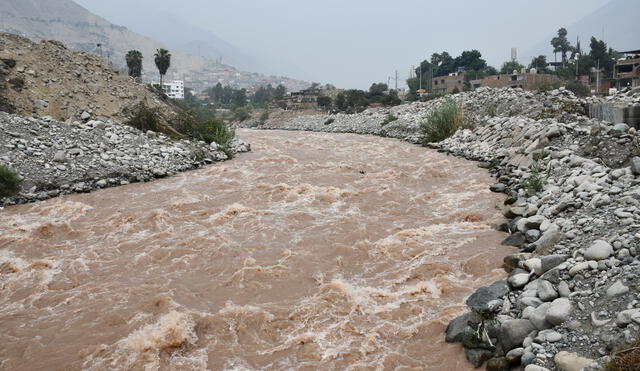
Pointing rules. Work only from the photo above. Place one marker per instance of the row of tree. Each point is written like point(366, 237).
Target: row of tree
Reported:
point(574, 63)
point(354, 100)
point(162, 58)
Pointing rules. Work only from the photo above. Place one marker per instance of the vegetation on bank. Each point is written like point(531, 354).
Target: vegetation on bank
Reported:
point(626, 358)
point(192, 125)
point(9, 182)
point(442, 122)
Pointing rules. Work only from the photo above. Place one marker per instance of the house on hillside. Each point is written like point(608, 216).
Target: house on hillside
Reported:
point(174, 89)
point(527, 80)
point(627, 70)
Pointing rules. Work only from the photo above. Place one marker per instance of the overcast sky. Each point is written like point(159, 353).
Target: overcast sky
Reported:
point(352, 43)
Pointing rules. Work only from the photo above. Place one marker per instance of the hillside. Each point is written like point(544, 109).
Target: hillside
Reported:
point(78, 28)
point(618, 20)
point(48, 79)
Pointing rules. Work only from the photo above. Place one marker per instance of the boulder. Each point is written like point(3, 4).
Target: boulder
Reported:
point(546, 291)
point(598, 250)
point(559, 311)
point(635, 165)
point(488, 298)
point(617, 289)
point(513, 332)
point(567, 361)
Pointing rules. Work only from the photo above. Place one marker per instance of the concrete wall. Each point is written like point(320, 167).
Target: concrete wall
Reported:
point(629, 114)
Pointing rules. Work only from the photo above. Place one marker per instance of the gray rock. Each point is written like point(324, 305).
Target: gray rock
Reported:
point(514, 356)
point(559, 311)
point(85, 115)
point(550, 336)
point(488, 298)
point(513, 332)
point(535, 368)
point(546, 291)
point(532, 235)
point(563, 289)
point(567, 361)
point(551, 261)
point(457, 327)
point(598, 250)
point(477, 357)
point(41, 104)
point(635, 165)
point(517, 239)
point(539, 317)
point(620, 128)
point(498, 187)
point(548, 240)
point(617, 289)
point(518, 280)
point(627, 316)
point(527, 359)
point(60, 156)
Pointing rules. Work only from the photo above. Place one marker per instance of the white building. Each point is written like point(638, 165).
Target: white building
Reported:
point(174, 89)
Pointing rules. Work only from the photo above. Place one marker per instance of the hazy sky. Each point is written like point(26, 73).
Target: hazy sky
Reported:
point(352, 43)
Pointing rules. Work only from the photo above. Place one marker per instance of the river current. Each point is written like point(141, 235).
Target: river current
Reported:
point(314, 251)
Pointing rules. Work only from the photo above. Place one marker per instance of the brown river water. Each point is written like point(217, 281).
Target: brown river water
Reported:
point(314, 251)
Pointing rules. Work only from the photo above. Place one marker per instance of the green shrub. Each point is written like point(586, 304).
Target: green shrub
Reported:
point(442, 122)
point(389, 119)
point(9, 182)
point(144, 118)
point(241, 113)
point(491, 110)
point(545, 85)
point(578, 89)
point(264, 116)
point(535, 182)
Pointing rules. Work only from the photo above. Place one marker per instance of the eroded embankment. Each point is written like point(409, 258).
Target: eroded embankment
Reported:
point(315, 250)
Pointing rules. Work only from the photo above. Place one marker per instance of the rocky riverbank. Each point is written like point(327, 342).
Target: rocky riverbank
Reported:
point(572, 297)
point(55, 158)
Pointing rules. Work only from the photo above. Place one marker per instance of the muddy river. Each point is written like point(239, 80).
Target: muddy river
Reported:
point(314, 251)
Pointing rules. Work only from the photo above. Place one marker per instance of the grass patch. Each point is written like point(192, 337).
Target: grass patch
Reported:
point(626, 358)
point(535, 182)
point(389, 119)
point(491, 111)
point(442, 122)
point(144, 118)
point(9, 182)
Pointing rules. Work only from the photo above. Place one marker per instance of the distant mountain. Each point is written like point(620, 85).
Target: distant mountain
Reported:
point(618, 19)
point(74, 25)
point(191, 39)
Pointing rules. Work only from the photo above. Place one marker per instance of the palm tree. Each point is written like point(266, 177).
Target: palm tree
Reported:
point(163, 62)
point(134, 63)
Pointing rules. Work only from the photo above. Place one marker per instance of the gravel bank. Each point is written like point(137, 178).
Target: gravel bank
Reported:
point(55, 158)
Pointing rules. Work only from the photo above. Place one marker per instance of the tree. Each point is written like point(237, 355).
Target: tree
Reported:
point(341, 102)
point(490, 71)
point(509, 67)
point(540, 64)
point(163, 62)
point(279, 92)
point(134, 63)
point(470, 60)
point(561, 44)
point(601, 56)
point(324, 101)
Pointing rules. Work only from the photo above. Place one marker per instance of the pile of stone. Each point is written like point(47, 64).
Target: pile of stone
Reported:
point(48, 79)
point(572, 295)
point(54, 158)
